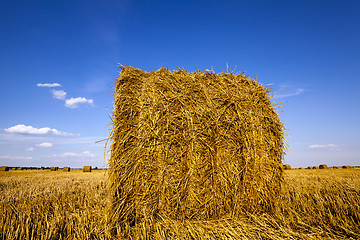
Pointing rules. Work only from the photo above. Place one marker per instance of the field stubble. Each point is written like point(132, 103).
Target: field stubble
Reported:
point(315, 204)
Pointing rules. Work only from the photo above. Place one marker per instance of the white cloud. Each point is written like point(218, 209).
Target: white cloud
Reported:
point(69, 154)
point(45, 145)
point(15, 157)
point(290, 94)
point(87, 154)
point(73, 102)
point(48, 85)
point(29, 130)
point(59, 94)
point(324, 146)
point(30, 149)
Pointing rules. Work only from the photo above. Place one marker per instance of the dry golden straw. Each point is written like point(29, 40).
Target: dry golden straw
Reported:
point(54, 168)
point(192, 146)
point(87, 169)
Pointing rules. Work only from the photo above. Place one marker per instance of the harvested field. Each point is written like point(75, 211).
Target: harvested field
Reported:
point(320, 204)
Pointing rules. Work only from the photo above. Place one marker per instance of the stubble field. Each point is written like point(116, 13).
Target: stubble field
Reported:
point(40, 204)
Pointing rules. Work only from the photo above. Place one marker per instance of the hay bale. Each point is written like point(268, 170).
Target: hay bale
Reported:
point(4, 168)
point(309, 167)
point(315, 167)
point(192, 146)
point(346, 166)
point(66, 169)
point(54, 168)
point(323, 166)
point(286, 167)
point(87, 169)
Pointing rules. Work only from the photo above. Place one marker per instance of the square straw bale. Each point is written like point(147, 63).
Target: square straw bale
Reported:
point(4, 168)
point(87, 169)
point(192, 146)
point(66, 169)
point(323, 166)
point(286, 167)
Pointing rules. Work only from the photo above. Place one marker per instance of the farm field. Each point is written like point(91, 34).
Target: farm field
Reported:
point(41, 204)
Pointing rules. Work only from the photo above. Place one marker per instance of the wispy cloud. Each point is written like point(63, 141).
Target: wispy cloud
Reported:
point(15, 157)
point(73, 102)
point(87, 154)
point(44, 145)
point(30, 130)
point(59, 94)
point(48, 85)
point(30, 149)
point(324, 146)
point(296, 92)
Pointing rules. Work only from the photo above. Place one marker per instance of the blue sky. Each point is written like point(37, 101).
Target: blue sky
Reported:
point(59, 61)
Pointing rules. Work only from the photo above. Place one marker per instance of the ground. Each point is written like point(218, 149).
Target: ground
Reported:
point(41, 204)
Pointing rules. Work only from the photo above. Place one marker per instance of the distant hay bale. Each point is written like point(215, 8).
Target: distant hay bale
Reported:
point(323, 166)
point(286, 167)
point(54, 168)
point(87, 169)
point(346, 166)
point(315, 167)
point(4, 168)
point(14, 168)
point(309, 167)
point(196, 146)
point(66, 169)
